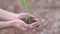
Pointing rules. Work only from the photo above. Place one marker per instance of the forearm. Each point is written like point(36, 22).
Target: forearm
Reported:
point(4, 25)
point(5, 15)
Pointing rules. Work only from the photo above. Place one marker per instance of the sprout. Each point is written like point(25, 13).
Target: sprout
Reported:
point(29, 8)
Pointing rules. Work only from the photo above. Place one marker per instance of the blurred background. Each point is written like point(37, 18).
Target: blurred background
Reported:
point(47, 11)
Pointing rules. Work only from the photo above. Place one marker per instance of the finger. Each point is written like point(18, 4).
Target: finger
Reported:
point(22, 15)
point(36, 19)
point(30, 25)
point(30, 15)
point(34, 24)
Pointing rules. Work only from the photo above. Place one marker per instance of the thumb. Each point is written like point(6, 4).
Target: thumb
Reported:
point(22, 15)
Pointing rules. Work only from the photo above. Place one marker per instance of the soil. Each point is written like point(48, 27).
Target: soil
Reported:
point(31, 20)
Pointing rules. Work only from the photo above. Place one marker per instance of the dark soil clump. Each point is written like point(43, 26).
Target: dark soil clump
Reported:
point(29, 21)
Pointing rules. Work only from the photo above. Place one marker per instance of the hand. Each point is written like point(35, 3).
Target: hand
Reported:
point(23, 15)
point(22, 26)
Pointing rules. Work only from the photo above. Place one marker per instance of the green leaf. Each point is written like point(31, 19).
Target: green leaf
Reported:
point(30, 7)
point(24, 2)
point(27, 18)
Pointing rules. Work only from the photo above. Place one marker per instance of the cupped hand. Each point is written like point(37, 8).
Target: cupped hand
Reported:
point(23, 15)
point(22, 26)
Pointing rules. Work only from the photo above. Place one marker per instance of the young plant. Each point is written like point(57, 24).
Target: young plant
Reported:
point(28, 19)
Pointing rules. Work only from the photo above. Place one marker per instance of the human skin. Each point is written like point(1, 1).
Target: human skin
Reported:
point(13, 20)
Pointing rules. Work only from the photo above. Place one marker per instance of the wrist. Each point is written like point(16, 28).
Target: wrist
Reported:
point(6, 24)
point(13, 17)
point(9, 23)
point(16, 16)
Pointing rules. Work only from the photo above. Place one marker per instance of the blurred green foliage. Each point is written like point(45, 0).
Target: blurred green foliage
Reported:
point(24, 3)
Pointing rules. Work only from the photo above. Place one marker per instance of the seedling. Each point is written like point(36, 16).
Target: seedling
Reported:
point(27, 19)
